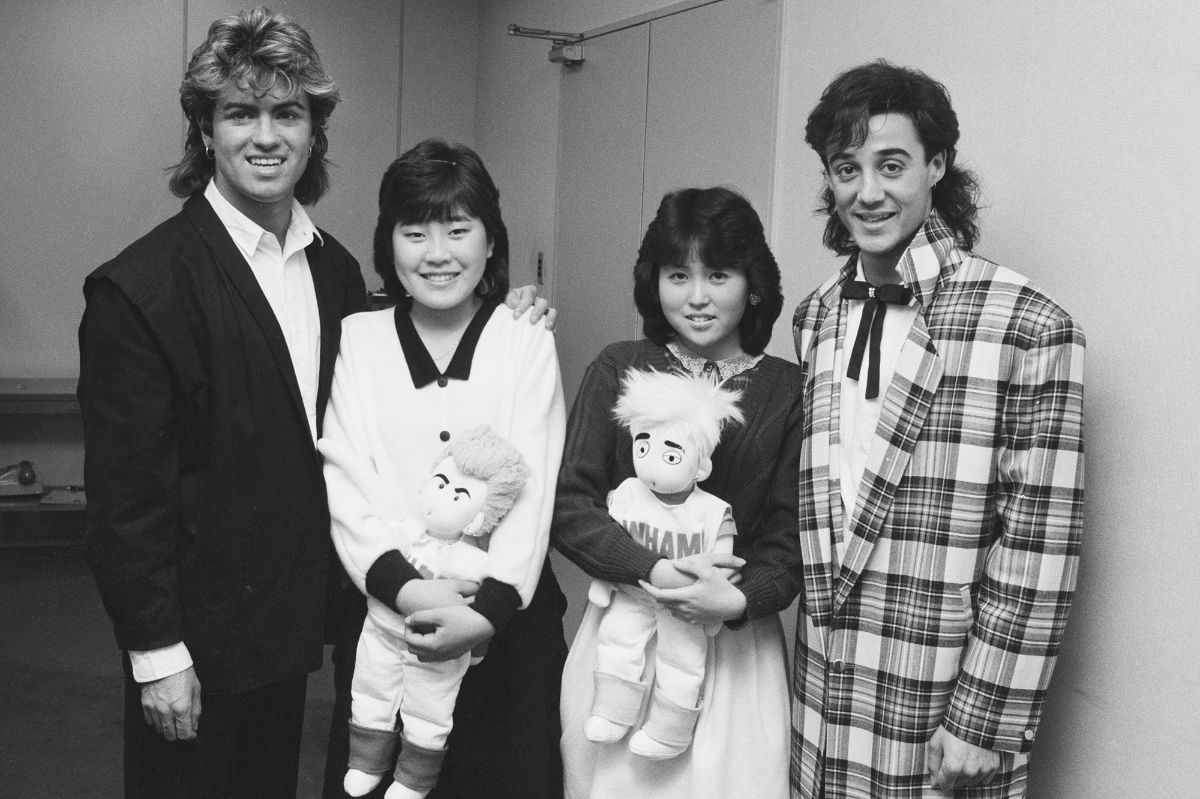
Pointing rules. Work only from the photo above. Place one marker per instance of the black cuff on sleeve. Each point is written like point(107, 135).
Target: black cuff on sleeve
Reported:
point(496, 602)
point(387, 576)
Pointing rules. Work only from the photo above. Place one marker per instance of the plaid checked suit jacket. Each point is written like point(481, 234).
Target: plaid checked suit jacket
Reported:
point(962, 555)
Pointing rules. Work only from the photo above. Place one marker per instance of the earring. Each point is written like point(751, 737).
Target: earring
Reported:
point(755, 299)
point(210, 153)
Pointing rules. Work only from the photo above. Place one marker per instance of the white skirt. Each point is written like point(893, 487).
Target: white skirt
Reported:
point(741, 744)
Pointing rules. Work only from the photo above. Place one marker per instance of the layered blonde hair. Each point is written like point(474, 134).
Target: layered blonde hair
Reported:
point(258, 51)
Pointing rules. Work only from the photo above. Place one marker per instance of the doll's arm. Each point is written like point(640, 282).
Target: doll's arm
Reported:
point(725, 535)
point(600, 593)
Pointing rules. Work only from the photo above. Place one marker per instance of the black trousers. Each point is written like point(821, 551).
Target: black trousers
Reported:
point(247, 746)
point(504, 744)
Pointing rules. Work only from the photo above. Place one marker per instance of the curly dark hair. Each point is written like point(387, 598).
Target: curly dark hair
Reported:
point(840, 120)
point(436, 182)
point(723, 230)
point(259, 51)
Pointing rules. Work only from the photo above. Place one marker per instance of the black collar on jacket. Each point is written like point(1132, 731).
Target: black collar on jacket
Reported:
point(421, 367)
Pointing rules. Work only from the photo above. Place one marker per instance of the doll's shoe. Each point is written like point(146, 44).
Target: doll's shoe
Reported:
point(615, 708)
point(643, 745)
point(667, 731)
point(602, 731)
point(360, 783)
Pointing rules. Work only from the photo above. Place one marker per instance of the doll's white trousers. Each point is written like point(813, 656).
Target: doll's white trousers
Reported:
point(629, 622)
point(388, 678)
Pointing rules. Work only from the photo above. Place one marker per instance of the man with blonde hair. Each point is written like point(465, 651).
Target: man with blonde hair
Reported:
point(206, 353)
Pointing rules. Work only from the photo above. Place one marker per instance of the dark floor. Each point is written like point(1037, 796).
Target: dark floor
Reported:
point(60, 684)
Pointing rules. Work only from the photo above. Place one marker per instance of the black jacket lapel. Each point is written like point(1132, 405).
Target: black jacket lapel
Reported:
point(231, 261)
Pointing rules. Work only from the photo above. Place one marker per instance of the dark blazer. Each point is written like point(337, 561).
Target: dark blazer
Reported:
point(207, 517)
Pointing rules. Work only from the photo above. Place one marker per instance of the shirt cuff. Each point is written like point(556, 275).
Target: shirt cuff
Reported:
point(154, 664)
point(387, 576)
point(496, 602)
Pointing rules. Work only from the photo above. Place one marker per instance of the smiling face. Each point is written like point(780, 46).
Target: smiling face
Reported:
point(261, 146)
point(440, 263)
point(704, 306)
point(451, 502)
point(883, 191)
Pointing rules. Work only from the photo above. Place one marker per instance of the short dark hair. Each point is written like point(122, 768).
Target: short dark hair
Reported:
point(841, 118)
point(259, 51)
point(436, 182)
point(722, 229)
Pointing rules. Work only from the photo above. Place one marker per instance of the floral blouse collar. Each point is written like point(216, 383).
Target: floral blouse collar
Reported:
point(725, 369)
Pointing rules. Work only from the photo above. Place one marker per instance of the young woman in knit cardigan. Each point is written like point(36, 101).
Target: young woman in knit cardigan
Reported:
point(708, 290)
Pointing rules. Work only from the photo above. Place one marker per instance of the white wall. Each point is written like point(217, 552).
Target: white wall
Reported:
point(1078, 117)
point(64, 208)
point(439, 69)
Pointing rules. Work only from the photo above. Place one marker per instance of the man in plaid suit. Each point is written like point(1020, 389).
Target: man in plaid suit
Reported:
point(941, 485)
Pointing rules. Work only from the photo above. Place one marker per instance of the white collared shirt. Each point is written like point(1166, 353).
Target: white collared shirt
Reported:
point(859, 415)
point(284, 277)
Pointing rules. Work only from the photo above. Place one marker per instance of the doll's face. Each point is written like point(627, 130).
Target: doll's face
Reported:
point(451, 502)
point(667, 459)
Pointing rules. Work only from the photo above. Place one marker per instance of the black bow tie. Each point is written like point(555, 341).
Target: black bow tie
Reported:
point(877, 297)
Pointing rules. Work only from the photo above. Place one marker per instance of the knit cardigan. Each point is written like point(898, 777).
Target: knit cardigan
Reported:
point(755, 470)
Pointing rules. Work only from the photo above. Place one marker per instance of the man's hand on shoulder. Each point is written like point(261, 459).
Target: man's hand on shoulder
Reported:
point(525, 299)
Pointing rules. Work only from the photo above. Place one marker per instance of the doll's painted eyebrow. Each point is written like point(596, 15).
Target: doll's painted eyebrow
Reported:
point(672, 444)
point(463, 491)
point(442, 477)
point(640, 436)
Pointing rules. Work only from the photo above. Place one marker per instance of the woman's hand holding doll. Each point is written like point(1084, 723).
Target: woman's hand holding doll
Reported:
point(445, 633)
point(439, 625)
point(709, 595)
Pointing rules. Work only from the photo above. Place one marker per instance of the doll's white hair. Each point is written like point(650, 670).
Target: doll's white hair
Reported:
point(698, 404)
point(481, 453)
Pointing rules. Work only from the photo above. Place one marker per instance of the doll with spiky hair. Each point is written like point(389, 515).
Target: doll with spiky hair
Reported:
point(676, 422)
point(475, 482)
